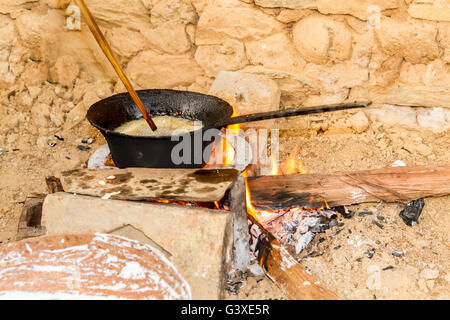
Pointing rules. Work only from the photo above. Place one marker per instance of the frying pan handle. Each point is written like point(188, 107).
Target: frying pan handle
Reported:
point(292, 112)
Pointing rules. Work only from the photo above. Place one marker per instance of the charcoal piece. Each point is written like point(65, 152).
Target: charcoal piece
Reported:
point(59, 137)
point(365, 213)
point(381, 218)
point(369, 253)
point(52, 144)
point(388, 268)
point(319, 228)
point(379, 225)
point(87, 141)
point(347, 214)
point(83, 148)
point(329, 214)
point(333, 223)
point(290, 239)
point(411, 213)
point(398, 253)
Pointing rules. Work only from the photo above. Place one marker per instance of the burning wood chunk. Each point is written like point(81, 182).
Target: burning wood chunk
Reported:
point(394, 184)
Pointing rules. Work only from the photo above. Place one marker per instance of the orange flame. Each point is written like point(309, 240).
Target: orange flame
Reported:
point(260, 215)
point(293, 164)
point(248, 198)
point(162, 201)
point(223, 153)
point(275, 169)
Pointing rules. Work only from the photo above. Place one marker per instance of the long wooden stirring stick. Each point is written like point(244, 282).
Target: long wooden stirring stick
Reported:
point(98, 35)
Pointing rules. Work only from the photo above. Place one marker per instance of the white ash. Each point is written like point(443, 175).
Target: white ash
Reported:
point(98, 158)
point(236, 277)
point(303, 240)
point(297, 227)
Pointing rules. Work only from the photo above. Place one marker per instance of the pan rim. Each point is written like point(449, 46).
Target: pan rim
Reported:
point(115, 96)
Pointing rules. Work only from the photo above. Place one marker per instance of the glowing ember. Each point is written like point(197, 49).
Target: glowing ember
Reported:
point(210, 205)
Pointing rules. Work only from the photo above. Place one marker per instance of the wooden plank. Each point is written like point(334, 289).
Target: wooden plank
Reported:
point(151, 184)
point(397, 184)
point(286, 272)
point(292, 277)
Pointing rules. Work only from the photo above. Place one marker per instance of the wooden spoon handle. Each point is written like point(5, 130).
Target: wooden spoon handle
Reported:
point(98, 35)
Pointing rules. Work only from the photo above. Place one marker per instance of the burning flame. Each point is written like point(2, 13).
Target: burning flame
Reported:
point(223, 153)
point(248, 198)
point(260, 215)
point(293, 164)
point(275, 169)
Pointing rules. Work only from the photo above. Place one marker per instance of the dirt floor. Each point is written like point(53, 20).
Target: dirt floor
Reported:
point(421, 272)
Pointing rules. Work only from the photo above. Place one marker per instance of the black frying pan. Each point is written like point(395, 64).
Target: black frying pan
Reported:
point(156, 152)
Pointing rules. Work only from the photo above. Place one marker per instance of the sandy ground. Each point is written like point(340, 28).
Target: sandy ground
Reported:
point(421, 273)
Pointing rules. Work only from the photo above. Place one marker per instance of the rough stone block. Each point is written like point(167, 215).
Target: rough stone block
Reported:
point(218, 24)
point(248, 93)
point(319, 39)
point(394, 115)
point(229, 56)
point(415, 41)
point(418, 96)
point(361, 9)
point(146, 68)
point(295, 88)
point(435, 119)
point(291, 4)
point(430, 10)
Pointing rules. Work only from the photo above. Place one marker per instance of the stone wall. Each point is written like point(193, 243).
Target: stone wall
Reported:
point(393, 52)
